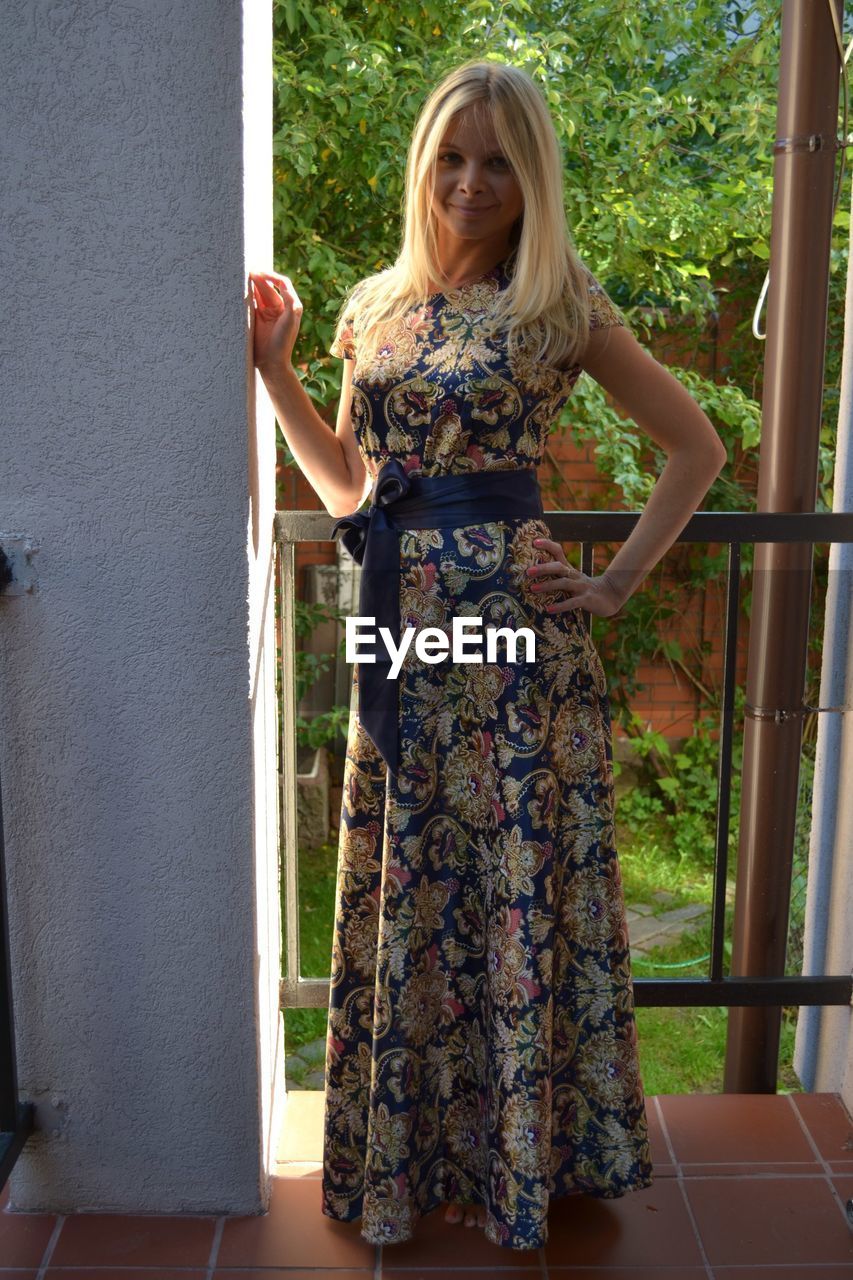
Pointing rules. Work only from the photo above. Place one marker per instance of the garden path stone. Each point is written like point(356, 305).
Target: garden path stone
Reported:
point(644, 928)
point(314, 1052)
point(684, 913)
point(645, 932)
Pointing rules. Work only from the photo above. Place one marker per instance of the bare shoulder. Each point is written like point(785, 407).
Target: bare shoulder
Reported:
point(647, 391)
point(613, 354)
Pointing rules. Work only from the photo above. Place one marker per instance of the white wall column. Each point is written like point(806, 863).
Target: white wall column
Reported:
point(137, 714)
point(823, 1057)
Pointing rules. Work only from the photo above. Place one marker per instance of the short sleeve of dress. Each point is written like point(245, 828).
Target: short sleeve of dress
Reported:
point(603, 311)
point(343, 346)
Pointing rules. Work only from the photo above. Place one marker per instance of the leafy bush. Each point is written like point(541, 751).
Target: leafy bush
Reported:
point(324, 729)
point(680, 785)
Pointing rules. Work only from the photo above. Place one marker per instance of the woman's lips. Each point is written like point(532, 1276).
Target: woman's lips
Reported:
point(472, 213)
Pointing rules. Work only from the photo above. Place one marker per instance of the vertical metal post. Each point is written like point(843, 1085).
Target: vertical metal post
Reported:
point(803, 182)
point(286, 559)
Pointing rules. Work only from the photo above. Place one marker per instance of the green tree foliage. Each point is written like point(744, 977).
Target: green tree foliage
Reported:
point(667, 118)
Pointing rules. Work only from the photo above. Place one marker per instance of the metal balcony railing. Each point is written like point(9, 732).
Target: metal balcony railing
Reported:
point(586, 528)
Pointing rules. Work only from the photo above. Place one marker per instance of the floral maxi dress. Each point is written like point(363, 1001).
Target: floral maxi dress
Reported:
point(482, 1044)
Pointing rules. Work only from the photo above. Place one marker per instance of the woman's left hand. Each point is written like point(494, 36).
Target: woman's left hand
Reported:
point(596, 595)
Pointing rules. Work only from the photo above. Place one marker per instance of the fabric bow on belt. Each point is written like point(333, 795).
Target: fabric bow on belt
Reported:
point(400, 501)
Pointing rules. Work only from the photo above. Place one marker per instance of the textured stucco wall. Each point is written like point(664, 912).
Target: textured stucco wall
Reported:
point(137, 724)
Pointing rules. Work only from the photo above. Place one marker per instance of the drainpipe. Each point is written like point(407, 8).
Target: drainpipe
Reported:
point(803, 188)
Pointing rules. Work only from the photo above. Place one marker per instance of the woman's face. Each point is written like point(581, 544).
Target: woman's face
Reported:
point(472, 173)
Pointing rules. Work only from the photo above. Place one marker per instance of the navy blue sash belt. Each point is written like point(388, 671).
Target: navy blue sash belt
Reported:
point(399, 501)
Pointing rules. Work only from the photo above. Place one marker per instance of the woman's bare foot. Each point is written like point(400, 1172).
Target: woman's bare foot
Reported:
point(474, 1214)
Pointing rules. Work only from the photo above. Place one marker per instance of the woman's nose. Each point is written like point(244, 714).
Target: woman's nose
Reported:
point(472, 181)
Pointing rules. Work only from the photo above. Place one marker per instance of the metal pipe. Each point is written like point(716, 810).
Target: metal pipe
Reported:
point(803, 188)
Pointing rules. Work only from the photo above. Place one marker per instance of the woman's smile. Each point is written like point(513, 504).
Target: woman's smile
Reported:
point(472, 213)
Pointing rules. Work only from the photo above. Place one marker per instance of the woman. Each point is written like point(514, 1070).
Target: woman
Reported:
point(482, 1044)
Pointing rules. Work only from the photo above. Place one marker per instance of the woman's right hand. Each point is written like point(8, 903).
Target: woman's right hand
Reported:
point(276, 320)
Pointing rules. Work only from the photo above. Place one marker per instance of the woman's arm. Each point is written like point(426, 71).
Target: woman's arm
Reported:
point(320, 452)
point(328, 459)
point(666, 411)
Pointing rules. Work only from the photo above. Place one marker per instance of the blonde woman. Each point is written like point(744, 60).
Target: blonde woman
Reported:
point(482, 1045)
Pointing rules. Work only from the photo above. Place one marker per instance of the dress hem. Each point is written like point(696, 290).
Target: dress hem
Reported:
point(596, 1194)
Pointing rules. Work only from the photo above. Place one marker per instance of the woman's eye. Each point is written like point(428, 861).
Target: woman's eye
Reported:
point(453, 155)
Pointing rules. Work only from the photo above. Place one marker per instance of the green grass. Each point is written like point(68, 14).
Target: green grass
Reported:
point(648, 864)
point(684, 1050)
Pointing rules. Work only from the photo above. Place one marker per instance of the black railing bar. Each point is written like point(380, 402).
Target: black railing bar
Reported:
point(615, 526)
point(687, 993)
point(710, 526)
point(772, 992)
point(724, 766)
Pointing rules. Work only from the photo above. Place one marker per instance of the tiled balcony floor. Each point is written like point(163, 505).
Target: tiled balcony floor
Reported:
point(747, 1185)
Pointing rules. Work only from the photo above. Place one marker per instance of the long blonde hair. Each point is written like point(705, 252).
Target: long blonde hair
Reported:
point(547, 297)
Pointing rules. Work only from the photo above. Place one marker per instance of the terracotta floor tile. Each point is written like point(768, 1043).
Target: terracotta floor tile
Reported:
point(461, 1272)
point(134, 1240)
point(843, 1185)
point(769, 1220)
point(752, 1128)
point(301, 1135)
point(117, 1273)
point(768, 1211)
point(277, 1273)
point(646, 1228)
point(782, 1168)
point(789, 1273)
point(24, 1237)
point(661, 1154)
point(294, 1233)
point(828, 1122)
point(441, 1244)
point(626, 1273)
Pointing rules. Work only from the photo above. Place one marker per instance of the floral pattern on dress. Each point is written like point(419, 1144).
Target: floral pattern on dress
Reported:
point(482, 1043)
